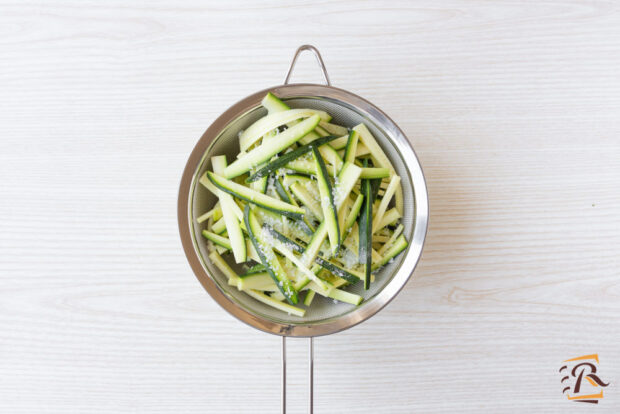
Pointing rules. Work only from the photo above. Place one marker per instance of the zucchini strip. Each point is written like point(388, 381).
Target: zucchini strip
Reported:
point(282, 248)
point(272, 121)
point(351, 148)
point(353, 213)
point(325, 264)
point(221, 264)
point(268, 149)
point(274, 104)
point(399, 245)
point(254, 197)
point(390, 217)
point(210, 213)
point(385, 201)
point(308, 200)
point(284, 159)
point(337, 294)
point(309, 297)
point(382, 160)
point(285, 307)
point(259, 281)
point(217, 239)
point(268, 257)
point(337, 270)
point(219, 226)
point(370, 172)
point(330, 213)
point(257, 268)
point(333, 128)
point(237, 241)
point(365, 231)
point(391, 240)
point(340, 143)
point(346, 181)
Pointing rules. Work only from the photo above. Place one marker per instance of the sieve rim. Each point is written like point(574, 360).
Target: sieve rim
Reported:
point(412, 255)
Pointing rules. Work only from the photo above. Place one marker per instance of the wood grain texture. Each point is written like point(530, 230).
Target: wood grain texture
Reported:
point(513, 109)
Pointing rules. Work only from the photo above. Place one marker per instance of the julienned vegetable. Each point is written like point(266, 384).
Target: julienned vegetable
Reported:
point(305, 206)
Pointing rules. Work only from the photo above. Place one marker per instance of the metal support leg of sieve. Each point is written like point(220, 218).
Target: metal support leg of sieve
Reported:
point(310, 375)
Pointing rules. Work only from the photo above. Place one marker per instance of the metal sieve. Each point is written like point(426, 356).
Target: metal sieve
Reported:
point(324, 316)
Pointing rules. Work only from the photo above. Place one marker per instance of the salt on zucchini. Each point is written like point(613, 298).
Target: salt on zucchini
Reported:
point(268, 149)
point(330, 213)
point(268, 258)
point(254, 197)
point(272, 121)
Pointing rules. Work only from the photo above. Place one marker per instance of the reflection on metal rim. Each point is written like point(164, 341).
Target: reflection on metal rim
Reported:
point(416, 244)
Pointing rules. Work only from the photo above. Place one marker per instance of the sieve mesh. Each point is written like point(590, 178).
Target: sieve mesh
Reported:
point(202, 200)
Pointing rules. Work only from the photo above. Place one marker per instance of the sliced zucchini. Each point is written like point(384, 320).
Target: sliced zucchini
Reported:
point(347, 178)
point(272, 121)
point(385, 201)
point(282, 192)
point(274, 104)
point(382, 160)
point(221, 264)
point(346, 297)
point(390, 217)
point(333, 129)
point(391, 240)
point(340, 143)
point(361, 150)
point(375, 172)
point(365, 231)
point(302, 166)
point(254, 197)
point(353, 213)
point(284, 159)
point(301, 267)
point(268, 149)
point(351, 148)
point(257, 268)
point(337, 270)
point(211, 213)
point(219, 226)
point(217, 239)
point(268, 257)
point(237, 241)
point(304, 196)
point(291, 244)
point(330, 213)
point(260, 281)
point(285, 307)
point(320, 131)
point(399, 245)
point(337, 294)
point(309, 297)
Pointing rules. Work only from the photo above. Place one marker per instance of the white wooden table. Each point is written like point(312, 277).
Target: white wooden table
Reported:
point(512, 108)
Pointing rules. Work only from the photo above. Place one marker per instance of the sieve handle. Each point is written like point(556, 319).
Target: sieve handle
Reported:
point(319, 61)
point(310, 376)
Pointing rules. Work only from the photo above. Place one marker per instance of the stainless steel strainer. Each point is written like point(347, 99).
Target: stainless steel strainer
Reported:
point(324, 316)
